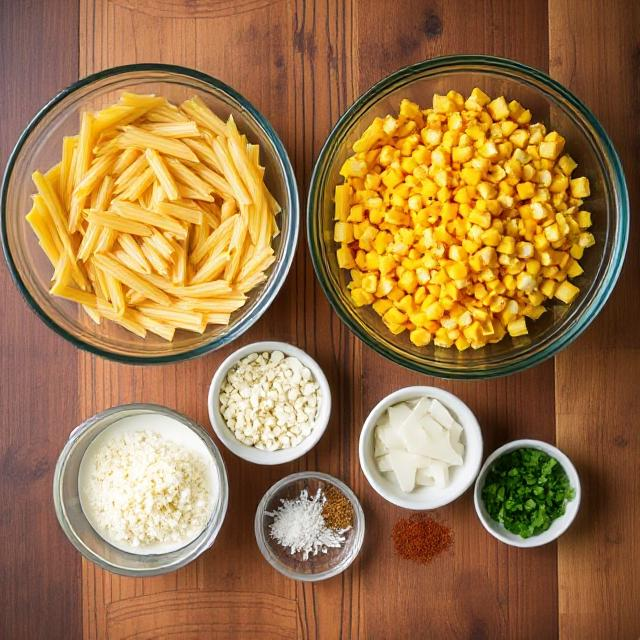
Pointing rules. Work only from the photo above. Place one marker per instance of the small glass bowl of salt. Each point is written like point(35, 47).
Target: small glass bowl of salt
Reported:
point(294, 533)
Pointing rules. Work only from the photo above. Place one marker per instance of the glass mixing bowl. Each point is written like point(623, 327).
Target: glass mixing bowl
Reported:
point(76, 526)
point(587, 143)
point(39, 147)
point(321, 566)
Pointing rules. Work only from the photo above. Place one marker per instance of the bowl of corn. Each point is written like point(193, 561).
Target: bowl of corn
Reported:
point(468, 217)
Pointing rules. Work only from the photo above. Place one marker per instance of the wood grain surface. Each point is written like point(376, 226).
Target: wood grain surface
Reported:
point(302, 63)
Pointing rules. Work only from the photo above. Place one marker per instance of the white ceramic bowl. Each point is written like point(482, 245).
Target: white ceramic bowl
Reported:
point(259, 456)
point(558, 526)
point(423, 498)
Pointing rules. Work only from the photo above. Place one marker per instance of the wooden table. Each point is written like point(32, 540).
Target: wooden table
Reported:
point(302, 63)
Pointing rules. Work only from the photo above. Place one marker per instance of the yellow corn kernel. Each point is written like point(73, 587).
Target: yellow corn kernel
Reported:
point(517, 327)
point(342, 197)
point(420, 337)
point(576, 251)
point(567, 164)
point(580, 187)
point(345, 258)
point(586, 239)
point(434, 311)
point(356, 213)
point(498, 108)
point(343, 232)
point(353, 167)
point(525, 190)
point(566, 292)
point(408, 281)
point(507, 245)
point(395, 316)
point(370, 283)
point(551, 149)
point(559, 184)
point(461, 154)
point(584, 219)
point(382, 306)
point(471, 176)
point(548, 288)
point(477, 97)
point(574, 269)
point(443, 104)
point(361, 297)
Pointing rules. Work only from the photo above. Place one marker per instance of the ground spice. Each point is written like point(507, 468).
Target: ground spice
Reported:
point(337, 510)
point(420, 538)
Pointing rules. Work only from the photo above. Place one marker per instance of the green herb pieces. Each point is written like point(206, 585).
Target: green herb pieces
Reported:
point(526, 490)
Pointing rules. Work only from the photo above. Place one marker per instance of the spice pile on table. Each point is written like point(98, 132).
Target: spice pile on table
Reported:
point(312, 524)
point(420, 538)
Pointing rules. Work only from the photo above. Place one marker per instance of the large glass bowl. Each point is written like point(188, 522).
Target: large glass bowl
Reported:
point(587, 142)
point(76, 526)
point(39, 147)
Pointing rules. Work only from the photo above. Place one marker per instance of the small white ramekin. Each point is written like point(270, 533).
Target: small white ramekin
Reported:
point(260, 456)
point(558, 526)
point(423, 498)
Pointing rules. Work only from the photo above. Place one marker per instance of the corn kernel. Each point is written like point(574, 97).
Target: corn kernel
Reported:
point(345, 258)
point(525, 190)
point(566, 292)
point(498, 108)
point(517, 327)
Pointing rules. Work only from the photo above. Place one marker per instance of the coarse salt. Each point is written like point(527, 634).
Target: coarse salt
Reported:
point(299, 525)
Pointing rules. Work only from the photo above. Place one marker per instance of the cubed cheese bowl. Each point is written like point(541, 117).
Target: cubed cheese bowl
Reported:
point(460, 477)
point(252, 453)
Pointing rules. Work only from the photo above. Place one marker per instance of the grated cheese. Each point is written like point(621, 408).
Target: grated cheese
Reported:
point(145, 489)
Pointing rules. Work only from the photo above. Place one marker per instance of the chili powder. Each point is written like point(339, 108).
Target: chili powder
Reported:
point(420, 538)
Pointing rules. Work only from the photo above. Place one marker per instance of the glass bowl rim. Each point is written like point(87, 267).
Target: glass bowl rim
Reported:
point(281, 269)
point(217, 517)
point(343, 565)
point(497, 65)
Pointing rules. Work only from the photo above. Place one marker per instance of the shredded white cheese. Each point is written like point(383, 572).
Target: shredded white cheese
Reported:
point(145, 489)
point(299, 525)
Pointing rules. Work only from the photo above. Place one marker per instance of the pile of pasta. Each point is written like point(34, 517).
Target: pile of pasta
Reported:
point(157, 217)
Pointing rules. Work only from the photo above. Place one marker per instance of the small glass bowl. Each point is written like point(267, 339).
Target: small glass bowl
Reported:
point(587, 142)
point(322, 566)
point(85, 539)
point(39, 147)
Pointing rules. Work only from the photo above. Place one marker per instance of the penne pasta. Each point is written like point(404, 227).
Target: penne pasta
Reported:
point(157, 217)
point(134, 212)
point(136, 137)
point(131, 279)
point(162, 173)
point(118, 223)
point(180, 211)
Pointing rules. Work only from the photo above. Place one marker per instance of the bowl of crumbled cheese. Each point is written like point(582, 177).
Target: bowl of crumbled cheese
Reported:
point(269, 402)
point(309, 526)
point(140, 490)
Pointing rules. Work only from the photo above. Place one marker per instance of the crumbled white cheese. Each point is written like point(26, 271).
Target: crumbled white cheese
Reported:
point(145, 489)
point(270, 401)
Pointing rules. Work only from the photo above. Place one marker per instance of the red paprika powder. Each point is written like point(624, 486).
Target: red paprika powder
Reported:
point(420, 538)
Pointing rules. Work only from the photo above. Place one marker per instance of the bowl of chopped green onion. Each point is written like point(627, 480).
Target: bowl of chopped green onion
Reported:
point(527, 493)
